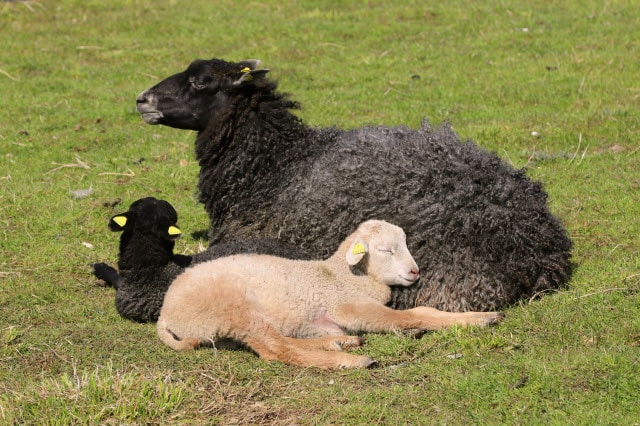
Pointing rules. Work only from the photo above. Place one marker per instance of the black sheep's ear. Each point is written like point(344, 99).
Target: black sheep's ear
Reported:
point(252, 64)
point(118, 222)
point(173, 232)
point(248, 73)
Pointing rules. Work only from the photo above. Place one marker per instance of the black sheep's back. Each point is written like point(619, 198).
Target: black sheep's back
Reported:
point(479, 229)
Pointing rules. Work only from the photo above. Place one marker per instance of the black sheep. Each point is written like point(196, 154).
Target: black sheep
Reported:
point(147, 264)
point(480, 230)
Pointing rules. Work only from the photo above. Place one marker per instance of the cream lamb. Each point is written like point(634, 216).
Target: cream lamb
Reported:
point(298, 312)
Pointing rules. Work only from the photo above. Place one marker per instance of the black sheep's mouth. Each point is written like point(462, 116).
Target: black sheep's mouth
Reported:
point(152, 117)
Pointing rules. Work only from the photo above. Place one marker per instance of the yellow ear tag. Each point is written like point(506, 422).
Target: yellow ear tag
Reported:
point(358, 249)
point(120, 220)
point(245, 69)
point(174, 231)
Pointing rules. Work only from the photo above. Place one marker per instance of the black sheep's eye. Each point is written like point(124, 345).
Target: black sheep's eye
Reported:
point(198, 85)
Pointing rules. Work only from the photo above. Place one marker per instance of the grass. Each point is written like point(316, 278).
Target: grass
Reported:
point(69, 74)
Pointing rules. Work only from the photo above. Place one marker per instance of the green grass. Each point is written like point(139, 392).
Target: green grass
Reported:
point(69, 75)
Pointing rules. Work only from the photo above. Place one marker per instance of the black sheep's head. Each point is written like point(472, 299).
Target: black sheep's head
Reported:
point(149, 217)
point(186, 100)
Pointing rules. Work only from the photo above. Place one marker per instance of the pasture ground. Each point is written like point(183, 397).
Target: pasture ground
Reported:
point(550, 86)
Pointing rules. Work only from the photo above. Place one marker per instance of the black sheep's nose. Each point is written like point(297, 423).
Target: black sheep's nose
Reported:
point(142, 98)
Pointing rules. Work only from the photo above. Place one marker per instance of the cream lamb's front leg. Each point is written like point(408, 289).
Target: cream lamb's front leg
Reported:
point(373, 317)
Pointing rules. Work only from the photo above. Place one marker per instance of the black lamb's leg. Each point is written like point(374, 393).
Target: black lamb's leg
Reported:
point(106, 273)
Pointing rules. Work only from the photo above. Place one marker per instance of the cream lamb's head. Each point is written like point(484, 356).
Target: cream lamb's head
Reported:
point(380, 250)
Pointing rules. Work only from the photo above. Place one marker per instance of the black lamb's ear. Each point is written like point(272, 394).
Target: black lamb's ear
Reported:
point(247, 74)
point(118, 222)
point(173, 232)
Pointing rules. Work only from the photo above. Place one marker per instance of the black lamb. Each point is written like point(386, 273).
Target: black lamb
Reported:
point(480, 230)
point(147, 264)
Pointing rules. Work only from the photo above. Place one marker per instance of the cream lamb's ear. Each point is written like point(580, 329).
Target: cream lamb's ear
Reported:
point(356, 252)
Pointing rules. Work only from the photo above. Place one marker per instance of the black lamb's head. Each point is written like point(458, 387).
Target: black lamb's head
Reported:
point(147, 218)
point(188, 99)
